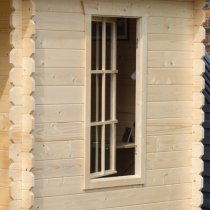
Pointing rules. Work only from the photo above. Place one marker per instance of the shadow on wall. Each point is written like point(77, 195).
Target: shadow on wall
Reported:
point(5, 67)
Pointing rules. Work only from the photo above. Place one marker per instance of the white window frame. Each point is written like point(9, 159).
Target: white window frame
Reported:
point(112, 121)
point(140, 112)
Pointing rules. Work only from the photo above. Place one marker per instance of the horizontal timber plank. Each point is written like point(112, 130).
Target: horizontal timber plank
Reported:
point(149, 8)
point(172, 205)
point(73, 185)
point(175, 109)
point(169, 176)
point(51, 95)
point(170, 42)
point(59, 113)
point(166, 25)
point(58, 186)
point(58, 150)
point(167, 143)
point(170, 76)
point(58, 168)
point(115, 198)
point(169, 159)
point(55, 6)
point(60, 39)
point(59, 58)
point(59, 131)
point(121, 8)
point(157, 93)
point(59, 76)
point(59, 21)
point(169, 126)
point(170, 9)
point(169, 59)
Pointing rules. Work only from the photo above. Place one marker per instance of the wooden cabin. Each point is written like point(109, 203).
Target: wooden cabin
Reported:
point(101, 105)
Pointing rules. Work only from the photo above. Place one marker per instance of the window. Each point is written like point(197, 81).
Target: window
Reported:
point(115, 111)
point(103, 98)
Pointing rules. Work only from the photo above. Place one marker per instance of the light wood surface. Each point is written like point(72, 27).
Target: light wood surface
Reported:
point(175, 192)
point(173, 116)
point(197, 113)
point(22, 105)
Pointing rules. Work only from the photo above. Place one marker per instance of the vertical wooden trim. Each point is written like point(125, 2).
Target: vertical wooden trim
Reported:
point(97, 118)
point(113, 98)
point(103, 126)
point(141, 97)
point(87, 98)
point(97, 45)
point(103, 103)
point(97, 96)
point(197, 113)
point(103, 45)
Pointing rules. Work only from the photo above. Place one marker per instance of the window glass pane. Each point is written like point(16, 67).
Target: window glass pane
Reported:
point(107, 148)
point(125, 162)
point(108, 45)
point(108, 97)
point(96, 46)
point(126, 96)
point(95, 149)
point(96, 97)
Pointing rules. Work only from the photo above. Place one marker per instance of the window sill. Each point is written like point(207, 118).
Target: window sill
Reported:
point(120, 181)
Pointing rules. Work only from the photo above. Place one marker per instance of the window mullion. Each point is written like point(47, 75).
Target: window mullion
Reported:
point(114, 67)
point(97, 118)
point(103, 45)
point(97, 97)
point(104, 72)
point(113, 99)
point(114, 47)
point(103, 146)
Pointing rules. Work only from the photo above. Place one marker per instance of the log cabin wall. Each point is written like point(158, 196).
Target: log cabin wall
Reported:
point(60, 101)
point(198, 103)
point(206, 175)
point(5, 67)
point(22, 104)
